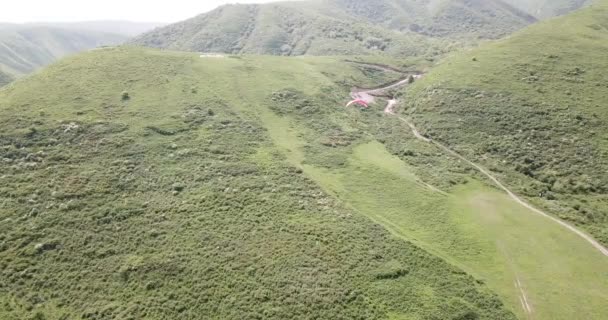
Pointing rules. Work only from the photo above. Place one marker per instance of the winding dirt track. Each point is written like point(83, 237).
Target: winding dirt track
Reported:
point(368, 95)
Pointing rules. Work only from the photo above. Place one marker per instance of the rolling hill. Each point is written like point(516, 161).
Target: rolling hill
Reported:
point(25, 49)
point(534, 110)
point(340, 27)
point(157, 191)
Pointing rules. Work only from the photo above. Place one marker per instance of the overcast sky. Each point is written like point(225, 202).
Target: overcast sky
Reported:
point(82, 10)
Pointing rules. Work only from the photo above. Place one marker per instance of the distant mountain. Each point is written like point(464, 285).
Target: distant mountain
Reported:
point(548, 8)
point(332, 27)
point(24, 49)
point(296, 28)
point(5, 78)
point(125, 28)
point(472, 18)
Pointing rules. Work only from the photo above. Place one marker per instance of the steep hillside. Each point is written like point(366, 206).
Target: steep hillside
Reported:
point(284, 29)
point(144, 184)
point(533, 110)
point(25, 49)
point(548, 8)
point(339, 27)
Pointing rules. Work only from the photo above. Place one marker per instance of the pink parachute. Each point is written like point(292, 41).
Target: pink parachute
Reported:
point(360, 102)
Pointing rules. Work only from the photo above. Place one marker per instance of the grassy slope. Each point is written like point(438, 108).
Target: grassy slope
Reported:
point(401, 28)
point(533, 110)
point(25, 49)
point(472, 226)
point(149, 188)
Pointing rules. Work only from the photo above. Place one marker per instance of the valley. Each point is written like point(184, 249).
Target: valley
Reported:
point(319, 159)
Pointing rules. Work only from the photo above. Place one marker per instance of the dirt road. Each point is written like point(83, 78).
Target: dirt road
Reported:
point(390, 110)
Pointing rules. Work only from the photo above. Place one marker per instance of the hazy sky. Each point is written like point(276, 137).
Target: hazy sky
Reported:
point(135, 10)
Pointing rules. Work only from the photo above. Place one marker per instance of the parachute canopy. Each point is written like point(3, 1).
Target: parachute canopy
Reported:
point(360, 102)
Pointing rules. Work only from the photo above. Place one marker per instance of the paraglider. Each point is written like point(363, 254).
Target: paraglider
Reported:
point(359, 102)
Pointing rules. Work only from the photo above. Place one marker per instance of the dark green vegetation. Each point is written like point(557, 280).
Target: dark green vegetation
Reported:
point(24, 49)
point(534, 110)
point(340, 27)
point(155, 191)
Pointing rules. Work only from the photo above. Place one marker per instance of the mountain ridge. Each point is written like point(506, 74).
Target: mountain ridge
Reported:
point(329, 28)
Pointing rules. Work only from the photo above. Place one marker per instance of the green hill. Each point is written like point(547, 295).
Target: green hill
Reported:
point(24, 49)
point(156, 191)
point(533, 109)
point(339, 27)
